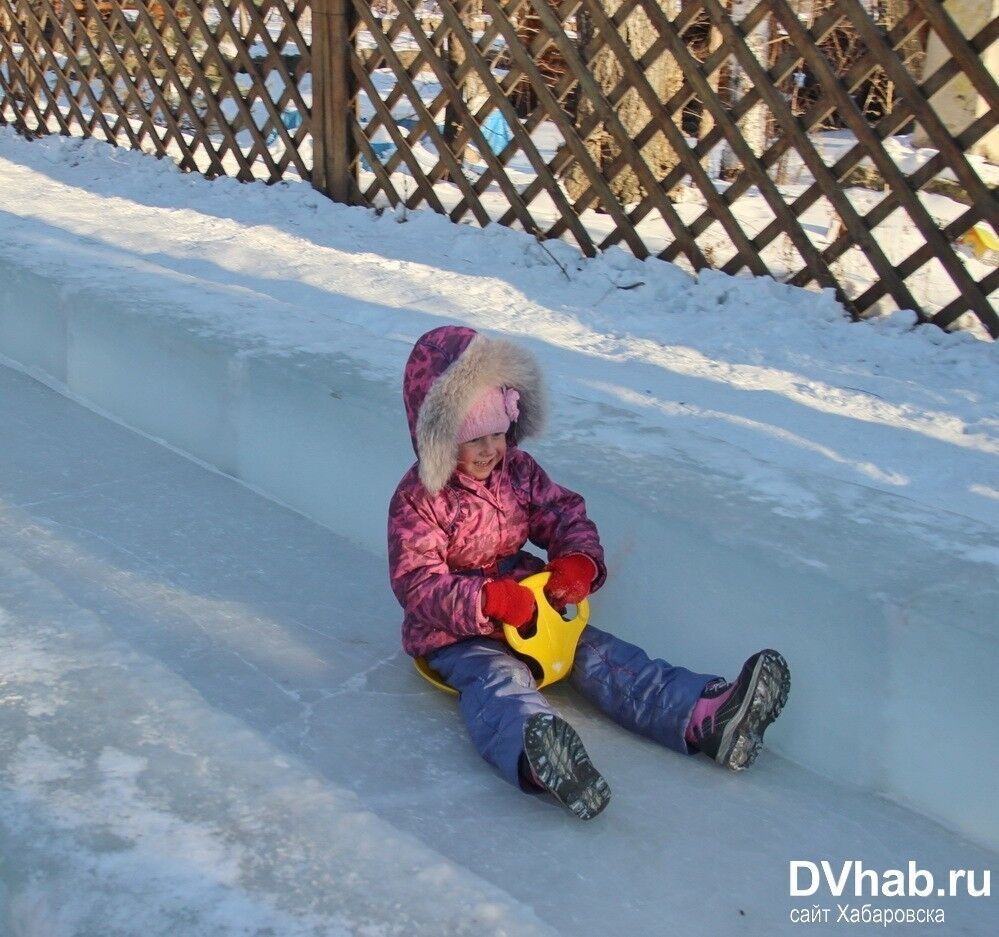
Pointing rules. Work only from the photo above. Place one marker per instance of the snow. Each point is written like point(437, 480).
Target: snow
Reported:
point(206, 723)
point(898, 238)
point(746, 345)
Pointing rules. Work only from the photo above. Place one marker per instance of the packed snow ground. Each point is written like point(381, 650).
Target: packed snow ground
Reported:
point(827, 488)
point(207, 729)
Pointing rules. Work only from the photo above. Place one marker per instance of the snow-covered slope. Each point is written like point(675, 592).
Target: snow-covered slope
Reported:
point(763, 472)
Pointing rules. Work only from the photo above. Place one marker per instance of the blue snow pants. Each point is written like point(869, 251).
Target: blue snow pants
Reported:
point(498, 693)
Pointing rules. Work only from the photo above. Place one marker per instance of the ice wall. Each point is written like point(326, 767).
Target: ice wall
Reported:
point(884, 609)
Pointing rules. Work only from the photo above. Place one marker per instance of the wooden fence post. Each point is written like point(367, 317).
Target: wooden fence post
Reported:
point(333, 99)
point(320, 94)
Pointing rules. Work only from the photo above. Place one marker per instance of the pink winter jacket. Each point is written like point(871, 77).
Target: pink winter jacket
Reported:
point(448, 532)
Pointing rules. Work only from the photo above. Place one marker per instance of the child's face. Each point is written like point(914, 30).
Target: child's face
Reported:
point(479, 457)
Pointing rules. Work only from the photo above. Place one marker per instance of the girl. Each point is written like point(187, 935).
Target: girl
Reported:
point(458, 522)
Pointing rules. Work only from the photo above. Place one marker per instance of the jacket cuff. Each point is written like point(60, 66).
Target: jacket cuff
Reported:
point(484, 624)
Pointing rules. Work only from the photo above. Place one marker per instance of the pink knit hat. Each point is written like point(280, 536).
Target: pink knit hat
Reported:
point(492, 412)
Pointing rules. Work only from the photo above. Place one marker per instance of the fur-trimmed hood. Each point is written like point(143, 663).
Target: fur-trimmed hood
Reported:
point(447, 370)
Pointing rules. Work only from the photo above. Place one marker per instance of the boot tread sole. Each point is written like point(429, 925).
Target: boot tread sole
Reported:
point(560, 762)
point(743, 737)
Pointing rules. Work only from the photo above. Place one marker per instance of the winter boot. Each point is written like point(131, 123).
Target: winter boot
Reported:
point(559, 764)
point(729, 719)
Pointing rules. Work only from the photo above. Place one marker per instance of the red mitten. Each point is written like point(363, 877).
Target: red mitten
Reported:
point(571, 579)
point(508, 601)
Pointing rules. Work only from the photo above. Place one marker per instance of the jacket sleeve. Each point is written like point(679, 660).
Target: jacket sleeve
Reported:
point(434, 598)
point(559, 524)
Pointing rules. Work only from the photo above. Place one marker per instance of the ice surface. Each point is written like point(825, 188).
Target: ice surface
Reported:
point(762, 472)
point(715, 551)
point(156, 701)
point(207, 728)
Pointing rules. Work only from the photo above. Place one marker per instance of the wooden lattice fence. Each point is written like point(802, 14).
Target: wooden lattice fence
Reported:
point(725, 133)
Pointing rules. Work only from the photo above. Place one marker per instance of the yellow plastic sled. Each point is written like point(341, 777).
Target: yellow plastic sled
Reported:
point(548, 649)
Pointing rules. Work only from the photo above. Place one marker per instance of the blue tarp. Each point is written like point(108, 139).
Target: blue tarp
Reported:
point(291, 118)
point(497, 131)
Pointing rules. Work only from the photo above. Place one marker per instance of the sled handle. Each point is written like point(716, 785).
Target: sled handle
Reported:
point(550, 647)
point(552, 642)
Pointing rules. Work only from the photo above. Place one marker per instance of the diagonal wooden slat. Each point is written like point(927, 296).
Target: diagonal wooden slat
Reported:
point(951, 231)
point(444, 151)
point(886, 127)
point(921, 256)
point(959, 306)
point(40, 65)
point(730, 130)
point(229, 143)
point(775, 228)
point(424, 186)
point(81, 68)
point(28, 72)
point(402, 27)
point(26, 95)
point(987, 313)
point(457, 100)
point(553, 110)
point(505, 85)
point(258, 91)
point(290, 31)
point(809, 121)
point(34, 76)
point(889, 203)
point(384, 180)
point(973, 67)
point(107, 99)
point(464, 134)
point(612, 122)
point(635, 77)
point(186, 108)
point(7, 94)
point(589, 197)
point(820, 172)
point(546, 180)
point(921, 108)
point(688, 14)
point(75, 102)
point(31, 58)
point(473, 55)
point(173, 133)
point(429, 111)
point(856, 122)
point(405, 89)
point(185, 52)
point(184, 55)
point(399, 29)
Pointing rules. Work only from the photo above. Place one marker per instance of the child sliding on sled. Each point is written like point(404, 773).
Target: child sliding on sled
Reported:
point(458, 522)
